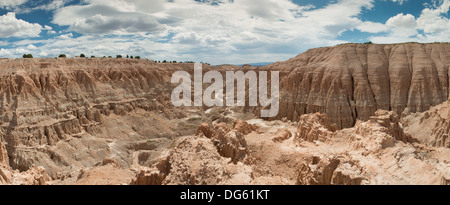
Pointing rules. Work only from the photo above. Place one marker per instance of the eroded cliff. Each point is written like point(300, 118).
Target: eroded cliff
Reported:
point(352, 81)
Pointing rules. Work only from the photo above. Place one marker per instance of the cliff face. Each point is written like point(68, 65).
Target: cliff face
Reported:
point(352, 81)
point(64, 112)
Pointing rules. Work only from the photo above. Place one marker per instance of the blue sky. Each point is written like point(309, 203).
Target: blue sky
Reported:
point(214, 31)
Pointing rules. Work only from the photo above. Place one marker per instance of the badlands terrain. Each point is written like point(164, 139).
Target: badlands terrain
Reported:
point(352, 114)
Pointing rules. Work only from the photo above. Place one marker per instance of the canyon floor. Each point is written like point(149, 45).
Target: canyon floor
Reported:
point(349, 115)
point(224, 147)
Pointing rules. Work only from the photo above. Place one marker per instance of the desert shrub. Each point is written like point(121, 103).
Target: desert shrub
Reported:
point(62, 56)
point(119, 56)
point(82, 56)
point(27, 56)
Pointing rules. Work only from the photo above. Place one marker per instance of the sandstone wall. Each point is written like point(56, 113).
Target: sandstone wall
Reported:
point(352, 81)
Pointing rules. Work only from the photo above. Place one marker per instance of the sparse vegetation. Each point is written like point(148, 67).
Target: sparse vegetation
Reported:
point(62, 56)
point(92, 56)
point(193, 119)
point(119, 56)
point(27, 56)
point(82, 56)
point(138, 57)
point(370, 42)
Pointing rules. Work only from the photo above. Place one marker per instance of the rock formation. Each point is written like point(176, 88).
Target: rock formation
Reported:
point(282, 135)
point(431, 127)
point(111, 121)
point(72, 113)
point(350, 82)
point(148, 177)
point(4, 161)
point(314, 127)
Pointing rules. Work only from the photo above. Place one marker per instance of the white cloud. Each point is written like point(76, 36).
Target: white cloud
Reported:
point(110, 17)
point(49, 29)
point(5, 53)
point(31, 47)
point(219, 31)
point(400, 1)
point(43, 54)
point(223, 31)
point(54, 4)
point(432, 25)
point(372, 27)
point(403, 25)
point(66, 36)
point(10, 4)
point(10, 26)
point(434, 19)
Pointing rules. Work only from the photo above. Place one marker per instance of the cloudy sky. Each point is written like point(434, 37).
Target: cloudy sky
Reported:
point(214, 31)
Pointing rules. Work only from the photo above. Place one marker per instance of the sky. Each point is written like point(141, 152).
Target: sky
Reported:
point(212, 31)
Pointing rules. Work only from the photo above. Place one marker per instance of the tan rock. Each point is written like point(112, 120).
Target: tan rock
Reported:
point(148, 177)
point(232, 145)
point(282, 135)
point(244, 128)
point(350, 82)
point(314, 127)
point(4, 160)
point(317, 174)
point(431, 127)
point(204, 130)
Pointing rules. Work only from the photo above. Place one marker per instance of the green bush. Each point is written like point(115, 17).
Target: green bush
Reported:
point(62, 56)
point(119, 56)
point(27, 56)
point(137, 57)
point(82, 56)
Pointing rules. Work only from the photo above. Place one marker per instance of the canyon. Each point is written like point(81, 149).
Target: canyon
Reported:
point(352, 114)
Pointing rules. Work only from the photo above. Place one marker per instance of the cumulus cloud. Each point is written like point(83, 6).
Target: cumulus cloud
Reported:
point(433, 25)
point(221, 31)
point(110, 17)
point(10, 26)
point(403, 25)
